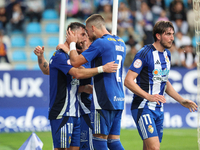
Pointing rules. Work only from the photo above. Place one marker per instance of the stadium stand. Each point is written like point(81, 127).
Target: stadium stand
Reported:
point(20, 67)
point(18, 41)
point(52, 41)
point(33, 27)
point(35, 41)
point(19, 55)
point(51, 28)
point(33, 57)
point(49, 14)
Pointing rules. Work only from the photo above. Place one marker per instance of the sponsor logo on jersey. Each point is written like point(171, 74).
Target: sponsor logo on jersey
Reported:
point(160, 75)
point(137, 63)
point(150, 129)
point(157, 62)
point(119, 98)
point(160, 72)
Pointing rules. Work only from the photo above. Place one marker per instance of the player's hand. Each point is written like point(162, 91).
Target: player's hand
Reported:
point(63, 47)
point(88, 89)
point(189, 104)
point(110, 67)
point(38, 51)
point(85, 45)
point(71, 36)
point(157, 98)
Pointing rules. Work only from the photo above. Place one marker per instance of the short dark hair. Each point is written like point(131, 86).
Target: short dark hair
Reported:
point(96, 20)
point(75, 25)
point(160, 27)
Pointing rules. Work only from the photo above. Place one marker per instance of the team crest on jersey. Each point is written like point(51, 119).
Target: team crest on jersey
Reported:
point(137, 63)
point(167, 59)
point(74, 81)
point(150, 129)
point(69, 140)
point(68, 62)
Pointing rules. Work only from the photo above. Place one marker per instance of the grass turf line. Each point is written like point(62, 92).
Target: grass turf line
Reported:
point(173, 139)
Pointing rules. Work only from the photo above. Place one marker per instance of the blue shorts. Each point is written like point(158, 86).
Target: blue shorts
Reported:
point(86, 133)
point(149, 123)
point(65, 132)
point(106, 122)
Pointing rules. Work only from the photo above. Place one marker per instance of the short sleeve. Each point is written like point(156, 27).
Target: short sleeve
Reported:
point(138, 63)
point(62, 62)
point(94, 50)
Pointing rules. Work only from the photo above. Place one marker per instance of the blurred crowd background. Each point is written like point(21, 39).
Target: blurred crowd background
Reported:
point(25, 24)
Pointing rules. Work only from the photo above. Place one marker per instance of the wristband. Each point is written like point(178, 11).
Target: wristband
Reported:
point(100, 69)
point(72, 46)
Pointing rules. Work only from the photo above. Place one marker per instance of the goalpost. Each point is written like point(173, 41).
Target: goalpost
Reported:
point(196, 8)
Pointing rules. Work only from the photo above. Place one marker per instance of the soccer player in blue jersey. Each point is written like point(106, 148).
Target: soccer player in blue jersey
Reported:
point(63, 107)
point(84, 101)
point(150, 68)
point(108, 94)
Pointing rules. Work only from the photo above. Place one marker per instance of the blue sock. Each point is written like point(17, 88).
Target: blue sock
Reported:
point(114, 144)
point(99, 144)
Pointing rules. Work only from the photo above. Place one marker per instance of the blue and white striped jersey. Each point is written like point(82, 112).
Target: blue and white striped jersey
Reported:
point(108, 88)
point(85, 99)
point(153, 68)
point(63, 87)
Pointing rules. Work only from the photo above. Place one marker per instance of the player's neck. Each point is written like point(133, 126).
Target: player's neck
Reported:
point(103, 32)
point(158, 47)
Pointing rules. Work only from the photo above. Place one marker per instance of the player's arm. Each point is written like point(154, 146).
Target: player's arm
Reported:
point(184, 102)
point(76, 60)
point(135, 88)
point(89, 72)
point(42, 62)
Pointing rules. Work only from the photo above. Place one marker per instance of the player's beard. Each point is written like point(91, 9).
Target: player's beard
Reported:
point(165, 45)
point(93, 38)
point(78, 45)
point(79, 48)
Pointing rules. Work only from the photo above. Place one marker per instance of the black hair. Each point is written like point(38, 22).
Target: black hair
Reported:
point(75, 25)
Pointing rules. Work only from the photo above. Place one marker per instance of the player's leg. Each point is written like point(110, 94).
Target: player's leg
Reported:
point(100, 129)
point(75, 131)
point(86, 133)
point(151, 143)
point(60, 133)
point(114, 135)
point(154, 142)
point(146, 125)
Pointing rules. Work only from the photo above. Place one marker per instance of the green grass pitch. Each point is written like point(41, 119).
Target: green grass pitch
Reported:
point(173, 139)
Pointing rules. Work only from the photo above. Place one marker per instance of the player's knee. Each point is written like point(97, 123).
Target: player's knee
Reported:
point(153, 147)
point(114, 144)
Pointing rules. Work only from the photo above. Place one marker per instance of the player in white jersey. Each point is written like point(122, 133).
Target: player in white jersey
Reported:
point(150, 68)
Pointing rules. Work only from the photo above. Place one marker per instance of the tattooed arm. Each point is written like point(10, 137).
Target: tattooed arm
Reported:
point(43, 64)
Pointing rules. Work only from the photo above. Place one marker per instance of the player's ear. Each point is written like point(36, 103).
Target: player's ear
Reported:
point(158, 36)
point(93, 28)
